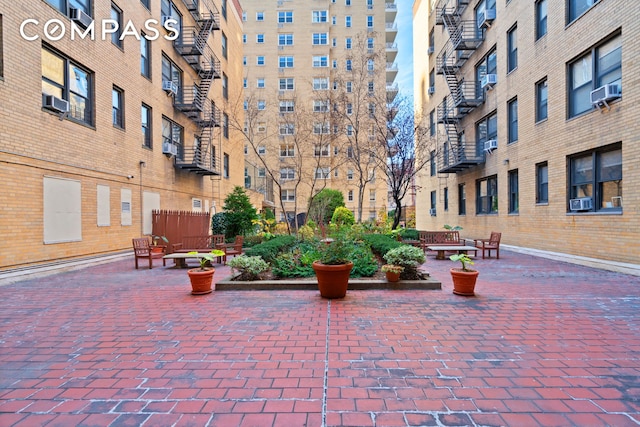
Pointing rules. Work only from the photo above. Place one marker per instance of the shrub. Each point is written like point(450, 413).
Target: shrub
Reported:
point(219, 223)
point(250, 267)
point(380, 243)
point(408, 257)
point(297, 262)
point(306, 233)
point(240, 213)
point(336, 252)
point(342, 216)
point(270, 249)
point(364, 262)
point(410, 234)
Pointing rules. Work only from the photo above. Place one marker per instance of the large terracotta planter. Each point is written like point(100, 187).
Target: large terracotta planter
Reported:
point(464, 282)
point(333, 280)
point(201, 280)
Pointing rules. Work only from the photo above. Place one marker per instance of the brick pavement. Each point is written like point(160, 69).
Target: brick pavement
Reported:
point(543, 343)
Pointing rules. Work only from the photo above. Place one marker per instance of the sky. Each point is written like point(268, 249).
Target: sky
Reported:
point(404, 40)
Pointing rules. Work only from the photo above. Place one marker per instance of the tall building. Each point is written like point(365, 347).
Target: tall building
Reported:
point(532, 111)
point(112, 109)
point(315, 75)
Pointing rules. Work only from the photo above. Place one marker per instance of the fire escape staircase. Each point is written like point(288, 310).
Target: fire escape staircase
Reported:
point(194, 101)
point(464, 97)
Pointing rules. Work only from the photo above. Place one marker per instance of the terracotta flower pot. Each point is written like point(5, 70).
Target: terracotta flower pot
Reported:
point(333, 280)
point(464, 282)
point(201, 280)
point(392, 277)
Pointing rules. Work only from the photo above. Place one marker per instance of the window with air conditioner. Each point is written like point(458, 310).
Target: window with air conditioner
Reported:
point(595, 180)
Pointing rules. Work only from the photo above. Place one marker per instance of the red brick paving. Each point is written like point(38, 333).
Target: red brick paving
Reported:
point(542, 343)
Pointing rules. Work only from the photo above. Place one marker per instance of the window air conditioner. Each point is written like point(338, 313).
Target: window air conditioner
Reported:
point(169, 148)
point(430, 50)
point(170, 87)
point(485, 19)
point(581, 204)
point(431, 90)
point(80, 17)
point(605, 93)
point(432, 211)
point(490, 145)
point(56, 104)
point(488, 81)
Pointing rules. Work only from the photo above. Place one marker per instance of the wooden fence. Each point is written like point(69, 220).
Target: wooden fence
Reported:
point(176, 224)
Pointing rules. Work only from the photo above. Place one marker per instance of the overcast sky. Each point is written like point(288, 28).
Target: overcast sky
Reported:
point(404, 40)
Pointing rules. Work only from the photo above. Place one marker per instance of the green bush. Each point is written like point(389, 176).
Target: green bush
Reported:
point(250, 267)
point(270, 249)
point(342, 216)
point(380, 243)
point(297, 261)
point(408, 257)
point(240, 213)
point(219, 223)
point(410, 234)
point(364, 262)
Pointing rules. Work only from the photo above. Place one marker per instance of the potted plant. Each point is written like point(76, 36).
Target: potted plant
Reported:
point(156, 247)
point(408, 257)
point(333, 268)
point(392, 271)
point(202, 278)
point(464, 279)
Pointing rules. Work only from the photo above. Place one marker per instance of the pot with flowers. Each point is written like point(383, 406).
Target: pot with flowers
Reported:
point(392, 272)
point(464, 279)
point(333, 268)
point(202, 278)
point(158, 247)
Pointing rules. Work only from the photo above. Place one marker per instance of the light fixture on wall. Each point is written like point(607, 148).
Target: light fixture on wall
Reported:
point(130, 177)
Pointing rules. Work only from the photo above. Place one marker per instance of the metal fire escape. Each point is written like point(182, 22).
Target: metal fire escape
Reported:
point(194, 102)
point(464, 38)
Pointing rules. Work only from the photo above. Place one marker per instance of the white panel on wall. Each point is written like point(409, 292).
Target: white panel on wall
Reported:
point(104, 205)
point(125, 206)
point(150, 202)
point(62, 210)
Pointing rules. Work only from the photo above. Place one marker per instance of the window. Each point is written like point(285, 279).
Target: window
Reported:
point(117, 105)
point(223, 41)
point(318, 16)
point(287, 150)
point(350, 174)
point(578, 7)
point(145, 118)
point(145, 56)
point(225, 125)
point(323, 173)
point(285, 17)
point(370, 43)
point(513, 191)
point(225, 86)
point(244, 60)
point(446, 198)
point(285, 61)
point(349, 87)
point(171, 73)
point(462, 200)
point(68, 80)
point(348, 65)
point(320, 83)
point(541, 18)
point(116, 15)
point(486, 129)
point(287, 106)
point(432, 199)
point(369, 4)
point(320, 39)
point(432, 41)
point(225, 165)
point(350, 194)
point(542, 183)
point(169, 9)
point(347, 21)
point(261, 128)
point(372, 195)
point(260, 83)
point(259, 16)
point(601, 65)
point(541, 100)
point(245, 83)
point(223, 8)
point(320, 61)
point(172, 133)
point(287, 174)
point(83, 5)
point(349, 108)
point(259, 38)
point(487, 195)
point(488, 65)
point(244, 39)
point(321, 150)
point(262, 172)
point(285, 39)
point(432, 122)
point(244, 16)
point(333, 20)
point(347, 2)
point(146, 3)
point(321, 129)
point(286, 84)
point(286, 129)
point(371, 88)
point(262, 104)
point(512, 112)
point(480, 12)
point(321, 106)
point(262, 150)
point(512, 49)
point(370, 64)
point(432, 80)
point(598, 175)
point(369, 21)
point(432, 163)
point(260, 60)
point(348, 43)
point(288, 195)
point(349, 130)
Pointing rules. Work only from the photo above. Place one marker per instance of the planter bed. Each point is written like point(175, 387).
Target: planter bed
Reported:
point(228, 284)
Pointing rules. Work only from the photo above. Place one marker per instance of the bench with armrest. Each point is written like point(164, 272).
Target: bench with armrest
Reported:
point(231, 249)
point(203, 244)
point(441, 238)
point(142, 249)
point(492, 243)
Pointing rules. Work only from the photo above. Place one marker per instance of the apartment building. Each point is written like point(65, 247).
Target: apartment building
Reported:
point(112, 109)
point(315, 74)
point(532, 110)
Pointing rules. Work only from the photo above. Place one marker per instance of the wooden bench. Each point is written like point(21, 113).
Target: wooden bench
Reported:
point(442, 238)
point(142, 249)
point(204, 243)
point(492, 243)
point(461, 249)
point(180, 258)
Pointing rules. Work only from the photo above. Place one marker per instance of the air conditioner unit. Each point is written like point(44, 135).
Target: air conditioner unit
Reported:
point(605, 93)
point(56, 104)
point(581, 204)
point(488, 81)
point(432, 211)
point(486, 18)
point(80, 17)
point(431, 90)
point(169, 148)
point(430, 50)
point(170, 87)
point(490, 145)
